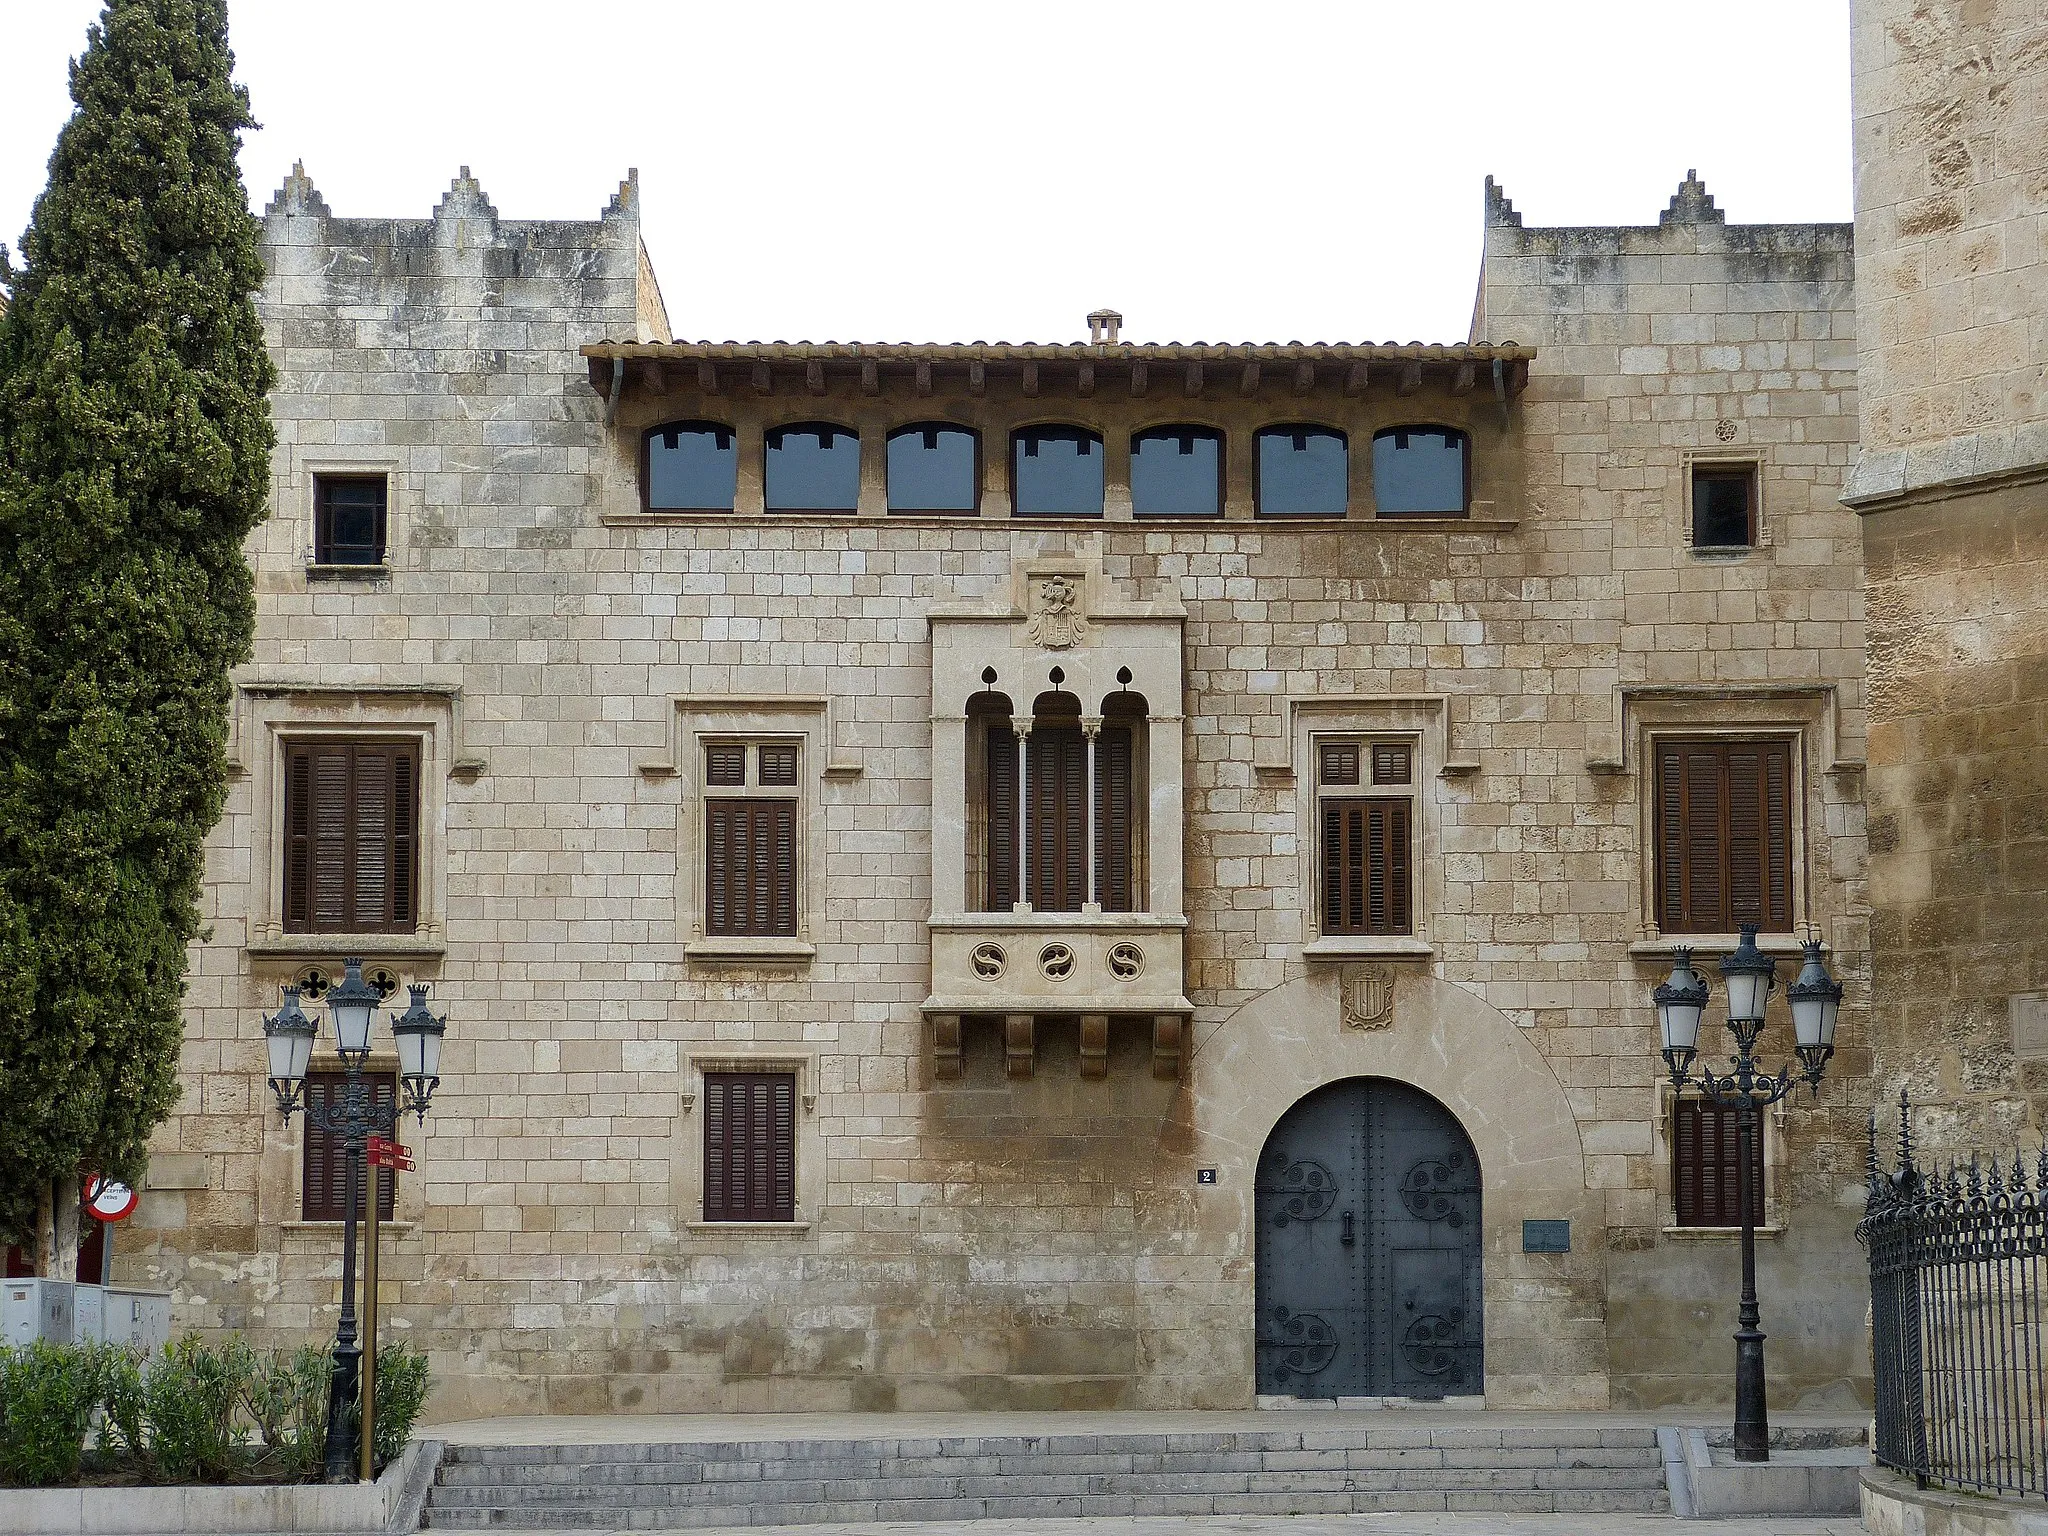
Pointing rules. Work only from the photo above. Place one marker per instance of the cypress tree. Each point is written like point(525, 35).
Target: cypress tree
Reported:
point(134, 453)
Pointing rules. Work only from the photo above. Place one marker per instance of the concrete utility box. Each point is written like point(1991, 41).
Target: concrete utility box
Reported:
point(136, 1317)
point(88, 1311)
point(38, 1309)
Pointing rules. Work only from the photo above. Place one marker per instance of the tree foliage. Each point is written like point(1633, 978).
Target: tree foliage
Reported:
point(134, 453)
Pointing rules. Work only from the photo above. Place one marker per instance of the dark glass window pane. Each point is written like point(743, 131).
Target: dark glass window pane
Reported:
point(349, 522)
point(692, 468)
point(1177, 470)
point(931, 469)
point(1720, 508)
point(1303, 471)
point(814, 467)
point(1058, 472)
point(1418, 469)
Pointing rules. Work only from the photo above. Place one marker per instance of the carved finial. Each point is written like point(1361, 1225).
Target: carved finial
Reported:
point(1498, 209)
point(465, 200)
point(297, 197)
point(1691, 204)
point(626, 201)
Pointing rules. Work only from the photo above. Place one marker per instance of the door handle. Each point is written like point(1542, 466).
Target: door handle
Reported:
point(1347, 1238)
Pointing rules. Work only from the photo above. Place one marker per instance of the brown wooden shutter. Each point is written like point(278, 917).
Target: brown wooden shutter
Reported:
point(1724, 836)
point(1058, 788)
point(1114, 791)
point(749, 1146)
point(750, 867)
point(1706, 1161)
point(323, 1181)
point(298, 838)
point(1000, 814)
point(1368, 871)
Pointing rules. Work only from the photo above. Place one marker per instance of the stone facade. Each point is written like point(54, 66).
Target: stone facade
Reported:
point(992, 1216)
point(1951, 104)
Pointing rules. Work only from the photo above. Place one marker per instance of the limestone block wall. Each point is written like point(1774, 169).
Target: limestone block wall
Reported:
point(1951, 106)
point(997, 1242)
point(1951, 208)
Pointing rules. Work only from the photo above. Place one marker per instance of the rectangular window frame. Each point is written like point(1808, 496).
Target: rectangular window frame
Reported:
point(796, 722)
point(326, 554)
point(1658, 801)
point(689, 1163)
point(299, 915)
point(1718, 462)
point(752, 1184)
point(1771, 1214)
point(1398, 834)
point(322, 1189)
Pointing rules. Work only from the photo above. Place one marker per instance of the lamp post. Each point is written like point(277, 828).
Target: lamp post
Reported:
point(1747, 975)
point(353, 1115)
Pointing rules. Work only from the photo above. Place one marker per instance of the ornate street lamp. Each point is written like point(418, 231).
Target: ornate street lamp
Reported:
point(354, 1115)
point(1747, 976)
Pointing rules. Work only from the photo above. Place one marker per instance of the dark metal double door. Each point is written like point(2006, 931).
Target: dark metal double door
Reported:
point(1369, 1248)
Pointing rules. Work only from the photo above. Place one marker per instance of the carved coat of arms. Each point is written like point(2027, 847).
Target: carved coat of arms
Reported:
point(1369, 998)
point(1054, 624)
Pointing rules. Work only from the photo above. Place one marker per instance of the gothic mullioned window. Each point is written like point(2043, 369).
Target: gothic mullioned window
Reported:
point(1059, 805)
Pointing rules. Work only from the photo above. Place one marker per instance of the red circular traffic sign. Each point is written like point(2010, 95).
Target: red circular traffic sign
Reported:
point(108, 1200)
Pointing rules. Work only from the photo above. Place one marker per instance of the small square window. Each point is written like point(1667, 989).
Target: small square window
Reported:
point(1391, 764)
point(1724, 506)
point(1340, 762)
point(348, 519)
point(778, 765)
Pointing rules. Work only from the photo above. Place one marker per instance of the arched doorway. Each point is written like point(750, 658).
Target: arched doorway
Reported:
point(1369, 1247)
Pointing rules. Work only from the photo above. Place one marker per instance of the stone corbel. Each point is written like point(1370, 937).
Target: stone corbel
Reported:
point(1020, 1044)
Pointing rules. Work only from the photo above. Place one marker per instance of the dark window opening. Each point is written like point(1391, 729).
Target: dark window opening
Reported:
point(351, 835)
point(323, 1181)
point(1056, 472)
point(934, 467)
point(1724, 506)
point(1420, 471)
point(1302, 472)
point(1706, 1150)
point(1177, 472)
point(1724, 836)
point(348, 519)
point(690, 466)
point(750, 867)
point(813, 467)
point(749, 1146)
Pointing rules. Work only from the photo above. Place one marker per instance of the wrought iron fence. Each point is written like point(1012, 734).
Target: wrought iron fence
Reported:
point(1959, 1317)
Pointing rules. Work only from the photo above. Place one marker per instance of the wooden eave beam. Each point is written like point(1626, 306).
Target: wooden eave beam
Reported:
point(1355, 381)
point(1463, 379)
point(707, 376)
point(814, 376)
point(1191, 380)
point(1411, 379)
point(1248, 382)
point(1084, 380)
point(870, 377)
point(1141, 378)
point(764, 381)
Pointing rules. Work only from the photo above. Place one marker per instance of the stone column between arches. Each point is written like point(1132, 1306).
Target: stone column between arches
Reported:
point(1545, 1325)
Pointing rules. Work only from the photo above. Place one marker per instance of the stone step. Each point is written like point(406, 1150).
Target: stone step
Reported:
point(672, 1485)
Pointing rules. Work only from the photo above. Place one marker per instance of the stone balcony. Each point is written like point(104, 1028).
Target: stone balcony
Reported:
point(1021, 965)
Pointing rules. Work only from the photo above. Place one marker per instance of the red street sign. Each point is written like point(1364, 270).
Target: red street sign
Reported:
point(385, 1153)
point(107, 1200)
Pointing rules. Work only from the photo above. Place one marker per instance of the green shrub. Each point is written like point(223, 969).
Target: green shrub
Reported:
point(47, 1395)
point(288, 1400)
point(192, 1396)
point(401, 1392)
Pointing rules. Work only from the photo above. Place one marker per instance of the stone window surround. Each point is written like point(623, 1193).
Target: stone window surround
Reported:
point(1730, 456)
point(268, 716)
point(1804, 716)
point(284, 1151)
point(1771, 1219)
point(1419, 720)
point(342, 459)
point(807, 721)
point(687, 1167)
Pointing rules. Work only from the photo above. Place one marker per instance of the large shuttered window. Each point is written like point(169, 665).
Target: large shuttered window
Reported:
point(1365, 842)
point(1055, 823)
point(323, 1183)
point(1724, 836)
point(750, 839)
point(351, 825)
point(749, 1146)
point(1706, 1149)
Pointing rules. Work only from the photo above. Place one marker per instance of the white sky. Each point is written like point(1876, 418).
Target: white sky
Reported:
point(1261, 170)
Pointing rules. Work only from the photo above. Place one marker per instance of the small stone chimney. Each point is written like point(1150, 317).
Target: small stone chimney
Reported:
point(1103, 325)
